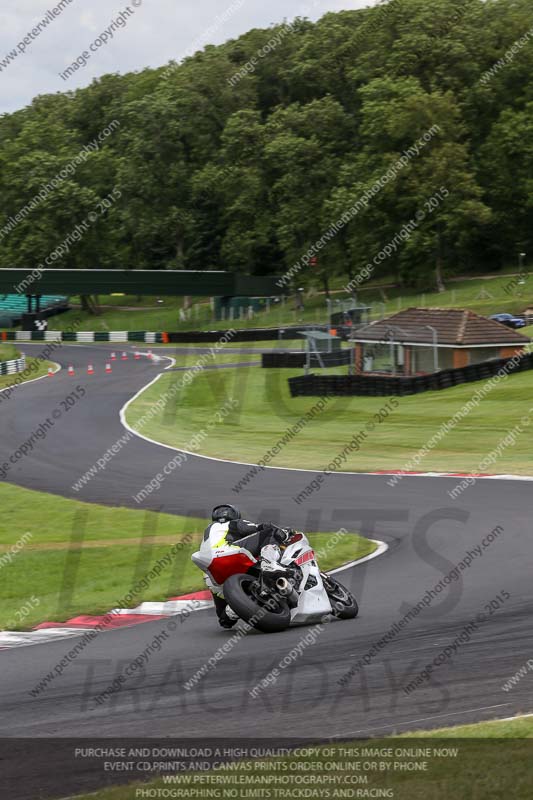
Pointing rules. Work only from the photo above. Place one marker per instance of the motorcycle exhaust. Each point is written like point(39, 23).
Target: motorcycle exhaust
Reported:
point(288, 591)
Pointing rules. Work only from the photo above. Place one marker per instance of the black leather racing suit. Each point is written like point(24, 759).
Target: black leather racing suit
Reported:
point(254, 537)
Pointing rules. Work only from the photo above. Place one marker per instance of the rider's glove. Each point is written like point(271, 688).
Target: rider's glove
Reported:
point(281, 535)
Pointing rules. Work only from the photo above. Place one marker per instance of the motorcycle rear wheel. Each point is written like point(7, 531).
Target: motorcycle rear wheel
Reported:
point(239, 597)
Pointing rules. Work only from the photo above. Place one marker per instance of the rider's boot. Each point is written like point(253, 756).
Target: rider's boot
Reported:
point(226, 616)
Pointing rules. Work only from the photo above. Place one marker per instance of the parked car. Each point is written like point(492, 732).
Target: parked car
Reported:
point(509, 320)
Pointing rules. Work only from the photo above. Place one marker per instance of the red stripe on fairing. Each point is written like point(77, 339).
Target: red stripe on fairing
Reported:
point(303, 559)
point(105, 623)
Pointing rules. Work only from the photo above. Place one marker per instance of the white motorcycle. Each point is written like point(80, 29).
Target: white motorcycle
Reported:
point(283, 587)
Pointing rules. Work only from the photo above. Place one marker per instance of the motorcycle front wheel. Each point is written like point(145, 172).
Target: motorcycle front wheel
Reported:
point(343, 603)
point(271, 615)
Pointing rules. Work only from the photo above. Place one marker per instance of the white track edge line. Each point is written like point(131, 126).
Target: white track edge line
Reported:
point(382, 547)
point(426, 719)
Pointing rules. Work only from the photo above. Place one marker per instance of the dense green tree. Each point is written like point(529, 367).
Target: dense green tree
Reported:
point(506, 164)
point(243, 156)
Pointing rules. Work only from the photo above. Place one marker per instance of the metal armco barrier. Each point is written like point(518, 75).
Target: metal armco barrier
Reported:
point(382, 385)
point(11, 367)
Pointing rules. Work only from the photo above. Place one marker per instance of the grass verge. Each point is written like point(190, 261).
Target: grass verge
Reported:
point(8, 352)
point(35, 368)
point(388, 436)
point(489, 760)
point(80, 558)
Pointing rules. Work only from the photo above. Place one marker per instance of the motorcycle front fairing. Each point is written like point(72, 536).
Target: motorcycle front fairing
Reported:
point(314, 602)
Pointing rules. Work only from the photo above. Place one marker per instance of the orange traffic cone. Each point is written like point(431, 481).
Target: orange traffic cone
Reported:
point(50, 372)
point(124, 356)
point(113, 356)
point(90, 370)
point(71, 371)
point(150, 354)
point(108, 369)
point(137, 356)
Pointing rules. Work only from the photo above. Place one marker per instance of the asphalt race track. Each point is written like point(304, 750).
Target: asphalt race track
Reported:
point(427, 533)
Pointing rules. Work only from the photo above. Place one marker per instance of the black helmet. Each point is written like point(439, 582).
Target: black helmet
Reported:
point(225, 513)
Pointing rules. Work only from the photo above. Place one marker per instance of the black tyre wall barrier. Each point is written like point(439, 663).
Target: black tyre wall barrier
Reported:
point(382, 385)
point(296, 360)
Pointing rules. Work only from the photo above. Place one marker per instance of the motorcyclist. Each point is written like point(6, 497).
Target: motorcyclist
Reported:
point(228, 527)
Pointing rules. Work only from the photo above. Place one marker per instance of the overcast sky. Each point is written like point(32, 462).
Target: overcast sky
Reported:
point(153, 33)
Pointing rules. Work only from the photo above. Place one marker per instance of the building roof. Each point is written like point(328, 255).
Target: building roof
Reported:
point(454, 327)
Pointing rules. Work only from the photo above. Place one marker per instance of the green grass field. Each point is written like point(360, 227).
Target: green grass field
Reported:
point(493, 762)
point(8, 352)
point(485, 295)
point(157, 319)
point(267, 409)
point(81, 558)
point(482, 295)
point(191, 358)
point(272, 344)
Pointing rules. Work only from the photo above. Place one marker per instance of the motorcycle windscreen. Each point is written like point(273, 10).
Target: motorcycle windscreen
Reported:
point(221, 568)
